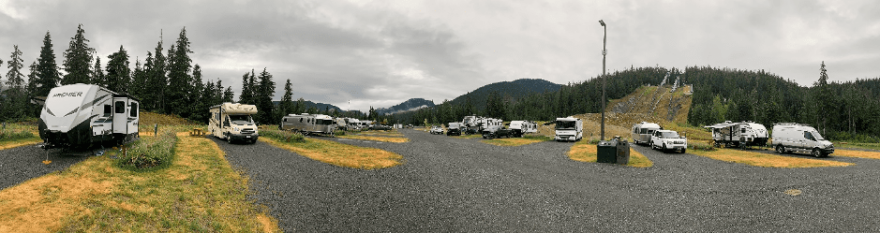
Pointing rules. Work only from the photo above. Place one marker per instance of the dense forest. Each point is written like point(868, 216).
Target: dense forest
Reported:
point(168, 81)
point(842, 110)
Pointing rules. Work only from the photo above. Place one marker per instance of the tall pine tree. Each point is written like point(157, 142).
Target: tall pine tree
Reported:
point(248, 91)
point(98, 73)
point(158, 79)
point(286, 105)
point(77, 59)
point(118, 74)
point(139, 81)
point(265, 92)
point(47, 70)
point(179, 66)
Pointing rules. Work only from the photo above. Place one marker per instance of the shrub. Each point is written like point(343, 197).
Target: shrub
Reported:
point(339, 132)
point(15, 131)
point(699, 145)
point(284, 136)
point(150, 152)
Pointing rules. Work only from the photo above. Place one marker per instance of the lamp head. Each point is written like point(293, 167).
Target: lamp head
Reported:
point(602, 22)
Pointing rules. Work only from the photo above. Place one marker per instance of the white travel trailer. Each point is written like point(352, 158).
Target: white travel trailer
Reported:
point(518, 128)
point(81, 115)
point(309, 124)
point(486, 123)
point(340, 123)
point(471, 124)
point(739, 134)
point(569, 129)
point(792, 137)
point(233, 122)
point(352, 124)
point(641, 132)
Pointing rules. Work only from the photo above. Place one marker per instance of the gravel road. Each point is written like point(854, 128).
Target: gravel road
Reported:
point(26, 162)
point(450, 184)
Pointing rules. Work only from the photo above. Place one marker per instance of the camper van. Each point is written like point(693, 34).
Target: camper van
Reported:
point(518, 128)
point(641, 132)
point(569, 129)
point(792, 137)
point(309, 124)
point(233, 122)
point(739, 134)
point(81, 115)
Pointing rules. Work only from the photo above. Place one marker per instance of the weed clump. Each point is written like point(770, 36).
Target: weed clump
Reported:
point(16, 131)
point(284, 136)
point(150, 152)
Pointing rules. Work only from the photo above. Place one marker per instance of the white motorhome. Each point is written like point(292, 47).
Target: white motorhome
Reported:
point(569, 129)
point(309, 124)
point(739, 134)
point(233, 122)
point(668, 140)
point(642, 132)
point(792, 137)
point(82, 115)
point(518, 128)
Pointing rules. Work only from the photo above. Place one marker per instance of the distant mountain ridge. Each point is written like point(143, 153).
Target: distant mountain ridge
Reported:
point(515, 90)
point(408, 105)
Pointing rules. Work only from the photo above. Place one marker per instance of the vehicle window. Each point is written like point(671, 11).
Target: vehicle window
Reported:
point(108, 110)
point(808, 135)
point(816, 136)
point(241, 119)
point(120, 107)
point(670, 134)
point(134, 109)
point(565, 125)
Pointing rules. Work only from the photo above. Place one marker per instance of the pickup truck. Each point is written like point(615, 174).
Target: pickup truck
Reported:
point(496, 132)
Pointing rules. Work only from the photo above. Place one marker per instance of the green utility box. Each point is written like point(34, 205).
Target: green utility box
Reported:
point(614, 151)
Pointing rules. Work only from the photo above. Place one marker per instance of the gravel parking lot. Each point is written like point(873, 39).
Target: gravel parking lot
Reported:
point(26, 162)
point(449, 184)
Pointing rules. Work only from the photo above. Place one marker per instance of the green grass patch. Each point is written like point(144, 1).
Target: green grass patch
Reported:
point(857, 145)
point(283, 135)
point(150, 153)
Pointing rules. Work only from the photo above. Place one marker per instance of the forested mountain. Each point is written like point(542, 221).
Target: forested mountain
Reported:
point(408, 105)
point(509, 90)
point(316, 107)
point(842, 110)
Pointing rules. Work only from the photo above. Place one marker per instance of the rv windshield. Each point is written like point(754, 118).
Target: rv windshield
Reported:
point(565, 124)
point(817, 136)
point(670, 134)
point(241, 119)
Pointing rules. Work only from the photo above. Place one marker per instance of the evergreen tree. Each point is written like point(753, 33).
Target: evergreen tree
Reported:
point(14, 78)
point(47, 70)
point(199, 106)
point(77, 59)
point(33, 110)
point(179, 66)
point(219, 94)
point(158, 79)
point(286, 105)
point(118, 74)
point(266, 91)
point(247, 88)
point(228, 95)
point(139, 81)
point(98, 73)
point(825, 98)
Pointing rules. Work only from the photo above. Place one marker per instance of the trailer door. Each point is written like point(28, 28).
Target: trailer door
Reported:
point(133, 116)
point(120, 115)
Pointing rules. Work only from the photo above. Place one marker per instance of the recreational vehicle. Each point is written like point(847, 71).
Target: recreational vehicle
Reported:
point(641, 132)
point(518, 128)
point(792, 137)
point(352, 124)
point(665, 140)
point(569, 129)
point(309, 124)
point(340, 123)
point(485, 123)
point(471, 124)
point(739, 134)
point(81, 115)
point(233, 122)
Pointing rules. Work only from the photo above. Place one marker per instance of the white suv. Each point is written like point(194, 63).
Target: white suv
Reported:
point(668, 140)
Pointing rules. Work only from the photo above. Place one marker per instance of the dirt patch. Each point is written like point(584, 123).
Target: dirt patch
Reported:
point(339, 154)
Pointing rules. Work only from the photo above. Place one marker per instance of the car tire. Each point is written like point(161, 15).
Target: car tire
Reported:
point(816, 153)
point(780, 149)
point(651, 144)
point(229, 138)
point(684, 151)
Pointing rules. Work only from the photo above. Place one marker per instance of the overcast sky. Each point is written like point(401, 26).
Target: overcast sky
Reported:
point(380, 53)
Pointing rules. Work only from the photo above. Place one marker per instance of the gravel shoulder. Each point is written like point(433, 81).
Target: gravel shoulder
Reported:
point(23, 163)
point(448, 184)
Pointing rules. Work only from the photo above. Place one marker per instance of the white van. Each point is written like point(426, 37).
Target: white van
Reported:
point(792, 137)
point(569, 129)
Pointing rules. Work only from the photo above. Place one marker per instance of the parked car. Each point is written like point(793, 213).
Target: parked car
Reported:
point(791, 137)
point(454, 129)
point(436, 130)
point(668, 140)
point(496, 131)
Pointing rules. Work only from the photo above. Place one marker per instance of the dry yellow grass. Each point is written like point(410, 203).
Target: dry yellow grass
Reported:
point(339, 154)
point(513, 141)
point(857, 154)
point(375, 138)
point(766, 160)
point(584, 152)
point(198, 192)
point(19, 142)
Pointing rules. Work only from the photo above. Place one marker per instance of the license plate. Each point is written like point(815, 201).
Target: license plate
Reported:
point(248, 136)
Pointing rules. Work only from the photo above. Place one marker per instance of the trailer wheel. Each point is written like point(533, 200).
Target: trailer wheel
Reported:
point(816, 153)
point(780, 149)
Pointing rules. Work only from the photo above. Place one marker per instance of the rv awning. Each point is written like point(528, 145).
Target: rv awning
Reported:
point(721, 125)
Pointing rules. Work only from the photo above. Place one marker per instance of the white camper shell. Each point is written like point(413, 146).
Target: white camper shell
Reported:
point(642, 132)
point(81, 115)
point(792, 137)
point(569, 129)
point(233, 122)
point(309, 124)
point(739, 134)
point(518, 128)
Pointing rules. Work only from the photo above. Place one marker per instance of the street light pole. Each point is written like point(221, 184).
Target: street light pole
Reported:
point(604, 52)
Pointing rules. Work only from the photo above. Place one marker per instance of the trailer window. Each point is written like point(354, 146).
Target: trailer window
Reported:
point(300, 120)
point(108, 110)
point(134, 109)
point(120, 107)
